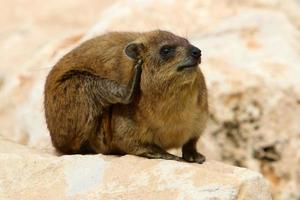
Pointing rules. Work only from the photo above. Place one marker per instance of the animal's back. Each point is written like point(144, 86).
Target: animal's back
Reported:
point(102, 55)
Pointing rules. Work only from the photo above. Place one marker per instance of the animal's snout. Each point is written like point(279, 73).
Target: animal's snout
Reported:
point(194, 52)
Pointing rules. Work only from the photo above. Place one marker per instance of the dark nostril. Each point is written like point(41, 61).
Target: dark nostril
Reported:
point(195, 52)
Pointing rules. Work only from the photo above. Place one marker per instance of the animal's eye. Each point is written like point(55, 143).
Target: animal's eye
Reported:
point(166, 50)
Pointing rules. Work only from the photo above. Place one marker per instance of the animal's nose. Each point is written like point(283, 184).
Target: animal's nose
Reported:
point(195, 52)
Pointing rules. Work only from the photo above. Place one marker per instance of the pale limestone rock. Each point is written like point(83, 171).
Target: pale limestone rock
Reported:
point(27, 174)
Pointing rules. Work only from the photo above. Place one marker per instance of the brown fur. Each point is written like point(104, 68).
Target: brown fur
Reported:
point(169, 110)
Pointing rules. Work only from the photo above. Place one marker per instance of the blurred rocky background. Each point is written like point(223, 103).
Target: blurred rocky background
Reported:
point(251, 60)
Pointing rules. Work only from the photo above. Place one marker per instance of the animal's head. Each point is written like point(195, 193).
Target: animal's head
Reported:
point(167, 58)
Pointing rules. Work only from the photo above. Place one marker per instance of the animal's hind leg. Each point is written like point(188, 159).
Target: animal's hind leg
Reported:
point(150, 151)
point(155, 152)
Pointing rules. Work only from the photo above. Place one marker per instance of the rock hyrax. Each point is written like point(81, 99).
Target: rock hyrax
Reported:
point(128, 93)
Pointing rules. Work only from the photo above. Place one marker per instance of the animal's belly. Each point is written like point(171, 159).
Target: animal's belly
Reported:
point(177, 134)
point(172, 138)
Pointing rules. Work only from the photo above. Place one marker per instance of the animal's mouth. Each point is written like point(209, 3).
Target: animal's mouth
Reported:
point(187, 65)
point(184, 67)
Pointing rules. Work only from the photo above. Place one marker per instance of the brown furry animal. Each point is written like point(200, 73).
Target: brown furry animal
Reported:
point(128, 93)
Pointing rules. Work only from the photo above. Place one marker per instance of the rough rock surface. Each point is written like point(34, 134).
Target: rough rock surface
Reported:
point(251, 60)
point(28, 174)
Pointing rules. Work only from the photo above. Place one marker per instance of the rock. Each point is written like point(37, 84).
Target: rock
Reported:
point(28, 174)
point(251, 56)
point(29, 27)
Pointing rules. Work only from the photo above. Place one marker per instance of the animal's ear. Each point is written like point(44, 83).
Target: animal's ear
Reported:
point(133, 50)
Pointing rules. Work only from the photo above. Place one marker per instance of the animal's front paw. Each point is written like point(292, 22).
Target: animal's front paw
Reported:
point(193, 157)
